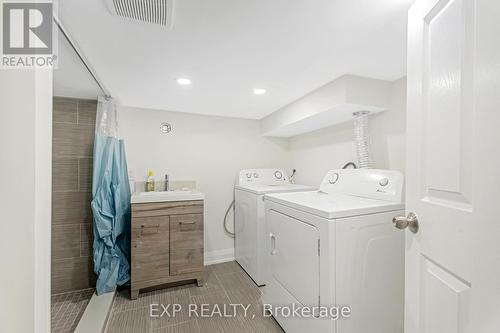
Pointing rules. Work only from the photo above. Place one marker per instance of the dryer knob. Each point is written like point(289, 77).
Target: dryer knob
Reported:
point(334, 178)
point(278, 174)
point(384, 182)
point(256, 175)
point(249, 175)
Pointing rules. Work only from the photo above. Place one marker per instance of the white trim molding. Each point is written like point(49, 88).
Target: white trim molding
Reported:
point(43, 200)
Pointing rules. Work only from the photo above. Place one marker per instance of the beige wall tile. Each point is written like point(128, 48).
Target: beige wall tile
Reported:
point(64, 174)
point(65, 110)
point(85, 174)
point(87, 111)
point(72, 274)
point(73, 140)
point(86, 232)
point(65, 241)
point(86, 249)
point(71, 208)
point(86, 240)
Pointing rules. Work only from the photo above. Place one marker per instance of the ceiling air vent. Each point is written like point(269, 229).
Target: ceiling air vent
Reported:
point(149, 11)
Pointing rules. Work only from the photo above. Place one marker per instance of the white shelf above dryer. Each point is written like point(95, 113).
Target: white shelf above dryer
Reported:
point(329, 105)
point(336, 115)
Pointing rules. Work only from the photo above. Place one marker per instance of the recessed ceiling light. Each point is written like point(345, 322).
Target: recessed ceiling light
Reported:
point(259, 91)
point(183, 81)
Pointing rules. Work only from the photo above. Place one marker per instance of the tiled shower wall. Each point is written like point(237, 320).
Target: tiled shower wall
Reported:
point(73, 140)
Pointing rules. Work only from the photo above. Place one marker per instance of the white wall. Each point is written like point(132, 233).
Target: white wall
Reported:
point(209, 150)
point(315, 153)
point(388, 131)
point(25, 197)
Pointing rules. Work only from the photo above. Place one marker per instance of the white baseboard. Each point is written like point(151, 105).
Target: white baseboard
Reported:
point(219, 256)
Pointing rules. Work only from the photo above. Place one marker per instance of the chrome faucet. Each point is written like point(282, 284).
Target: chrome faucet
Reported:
point(167, 183)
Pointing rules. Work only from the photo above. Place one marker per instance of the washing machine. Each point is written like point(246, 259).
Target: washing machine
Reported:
point(249, 221)
point(336, 249)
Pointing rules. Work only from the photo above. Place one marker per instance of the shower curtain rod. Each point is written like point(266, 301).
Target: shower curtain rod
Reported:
point(106, 92)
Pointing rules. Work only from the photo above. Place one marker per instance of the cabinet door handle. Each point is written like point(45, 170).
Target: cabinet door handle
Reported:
point(148, 227)
point(187, 222)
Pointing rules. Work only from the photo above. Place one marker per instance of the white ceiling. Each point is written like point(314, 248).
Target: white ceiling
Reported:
point(229, 47)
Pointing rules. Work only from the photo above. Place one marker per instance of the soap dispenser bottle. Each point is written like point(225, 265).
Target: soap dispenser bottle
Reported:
point(150, 183)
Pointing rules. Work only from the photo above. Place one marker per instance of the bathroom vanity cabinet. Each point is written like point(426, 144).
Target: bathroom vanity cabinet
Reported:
point(167, 243)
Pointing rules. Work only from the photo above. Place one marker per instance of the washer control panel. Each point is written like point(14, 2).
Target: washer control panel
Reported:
point(262, 176)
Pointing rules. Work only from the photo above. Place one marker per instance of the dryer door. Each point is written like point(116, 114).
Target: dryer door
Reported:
point(293, 261)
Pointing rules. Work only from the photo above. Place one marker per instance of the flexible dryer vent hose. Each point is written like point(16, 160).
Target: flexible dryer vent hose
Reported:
point(362, 139)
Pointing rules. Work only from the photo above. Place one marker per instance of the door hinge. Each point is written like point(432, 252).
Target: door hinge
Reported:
point(319, 252)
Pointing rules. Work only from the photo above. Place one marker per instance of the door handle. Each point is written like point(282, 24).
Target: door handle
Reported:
point(273, 243)
point(410, 222)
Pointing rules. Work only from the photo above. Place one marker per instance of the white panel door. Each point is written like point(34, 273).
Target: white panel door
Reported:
point(453, 167)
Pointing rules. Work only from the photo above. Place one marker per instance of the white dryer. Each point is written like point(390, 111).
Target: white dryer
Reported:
point(338, 247)
point(249, 225)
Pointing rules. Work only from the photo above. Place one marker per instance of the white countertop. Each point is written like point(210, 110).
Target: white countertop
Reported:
point(166, 196)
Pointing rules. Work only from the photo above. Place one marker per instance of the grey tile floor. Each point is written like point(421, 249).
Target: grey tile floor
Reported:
point(67, 308)
point(225, 284)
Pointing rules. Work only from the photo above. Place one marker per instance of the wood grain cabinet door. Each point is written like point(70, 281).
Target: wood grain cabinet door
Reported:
point(150, 248)
point(186, 243)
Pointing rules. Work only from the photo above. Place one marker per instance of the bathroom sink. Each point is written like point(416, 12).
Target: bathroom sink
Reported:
point(166, 196)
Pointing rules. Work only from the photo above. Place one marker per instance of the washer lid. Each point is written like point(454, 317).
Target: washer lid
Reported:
point(278, 188)
point(334, 205)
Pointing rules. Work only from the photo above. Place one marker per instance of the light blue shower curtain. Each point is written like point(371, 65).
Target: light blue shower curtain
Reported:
point(110, 203)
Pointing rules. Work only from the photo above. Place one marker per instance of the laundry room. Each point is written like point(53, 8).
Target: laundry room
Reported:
point(249, 166)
